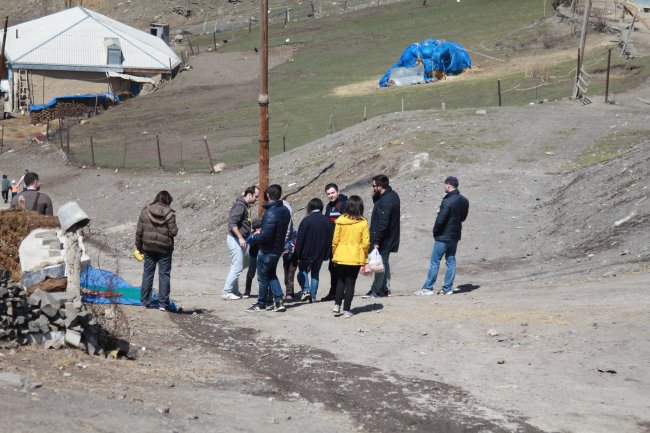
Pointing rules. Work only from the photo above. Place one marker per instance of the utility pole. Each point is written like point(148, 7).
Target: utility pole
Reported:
point(263, 102)
point(583, 42)
point(3, 65)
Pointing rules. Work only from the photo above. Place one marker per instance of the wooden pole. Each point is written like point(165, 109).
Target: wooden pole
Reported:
point(345, 5)
point(609, 62)
point(284, 137)
point(250, 25)
point(96, 98)
point(207, 149)
point(92, 151)
point(575, 95)
point(365, 113)
point(286, 17)
point(191, 47)
point(499, 91)
point(3, 65)
point(182, 165)
point(331, 122)
point(124, 155)
point(214, 41)
point(627, 38)
point(263, 102)
point(2, 139)
point(61, 132)
point(158, 147)
point(67, 139)
point(73, 261)
point(402, 105)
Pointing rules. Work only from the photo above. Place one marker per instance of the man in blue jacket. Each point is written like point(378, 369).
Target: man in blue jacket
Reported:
point(271, 238)
point(384, 231)
point(446, 232)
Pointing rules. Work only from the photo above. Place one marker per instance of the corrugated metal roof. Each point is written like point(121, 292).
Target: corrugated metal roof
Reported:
point(74, 40)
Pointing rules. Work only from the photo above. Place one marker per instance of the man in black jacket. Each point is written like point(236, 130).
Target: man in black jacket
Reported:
point(384, 231)
point(334, 209)
point(271, 238)
point(446, 232)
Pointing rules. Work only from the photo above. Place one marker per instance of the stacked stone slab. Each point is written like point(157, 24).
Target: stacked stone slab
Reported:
point(50, 319)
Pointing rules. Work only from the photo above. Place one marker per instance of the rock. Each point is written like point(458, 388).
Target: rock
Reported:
point(73, 338)
point(492, 332)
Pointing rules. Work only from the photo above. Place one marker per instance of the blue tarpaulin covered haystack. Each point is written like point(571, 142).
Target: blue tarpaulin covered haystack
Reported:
point(420, 60)
point(102, 99)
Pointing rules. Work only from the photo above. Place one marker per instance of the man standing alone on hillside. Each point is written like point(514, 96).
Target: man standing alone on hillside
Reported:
point(32, 198)
point(239, 227)
point(446, 232)
point(334, 209)
point(271, 238)
point(384, 231)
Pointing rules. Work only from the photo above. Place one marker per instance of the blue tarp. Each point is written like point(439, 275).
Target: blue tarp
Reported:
point(104, 287)
point(102, 99)
point(436, 55)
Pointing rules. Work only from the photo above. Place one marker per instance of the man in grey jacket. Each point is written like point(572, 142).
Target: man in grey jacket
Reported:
point(32, 198)
point(239, 227)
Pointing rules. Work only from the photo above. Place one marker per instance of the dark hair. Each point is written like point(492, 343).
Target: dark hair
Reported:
point(273, 192)
point(256, 223)
point(381, 180)
point(331, 185)
point(163, 197)
point(452, 180)
point(30, 178)
point(250, 190)
point(315, 204)
point(354, 207)
point(4, 176)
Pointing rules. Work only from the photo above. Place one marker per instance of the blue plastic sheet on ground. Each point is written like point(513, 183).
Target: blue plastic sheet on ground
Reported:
point(436, 55)
point(101, 99)
point(105, 287)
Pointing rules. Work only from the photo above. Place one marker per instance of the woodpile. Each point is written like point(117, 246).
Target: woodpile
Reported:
point(70, 110)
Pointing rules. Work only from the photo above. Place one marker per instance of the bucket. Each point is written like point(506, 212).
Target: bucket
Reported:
point(70, 214)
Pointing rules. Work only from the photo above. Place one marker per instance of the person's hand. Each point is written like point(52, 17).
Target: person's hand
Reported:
point(242, 242)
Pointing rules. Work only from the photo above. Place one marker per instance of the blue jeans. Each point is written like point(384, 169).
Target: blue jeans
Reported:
point(164, 262)
point(304, 268)
point(381, 282)
point(237, 254)
point(448, 249)
point(267, 277)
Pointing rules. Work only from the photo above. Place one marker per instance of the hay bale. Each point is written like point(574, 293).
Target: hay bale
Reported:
point(15, 225)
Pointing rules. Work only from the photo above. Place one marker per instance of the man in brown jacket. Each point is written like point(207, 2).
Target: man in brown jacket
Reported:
point(155, 238)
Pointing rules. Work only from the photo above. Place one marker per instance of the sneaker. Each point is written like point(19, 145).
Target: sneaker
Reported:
point(336, 309)
point(424, 292)
point(388, 293)
point(162, 308)
point(443, 292)
point(306, 297)
point(327, 298)
point(290, 298)
point(230, 297)
point(245, 296)
point(370, 295)
point(255, 308)
point(347, 314)
point(279, 307)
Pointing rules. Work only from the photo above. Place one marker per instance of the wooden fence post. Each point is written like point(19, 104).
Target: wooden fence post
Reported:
point(207, 149)
point(499, 91)
point(284, 138)
point(250, 25)
point(2, 139)
point(191, 48)
point(331, 123)
point(124, 156)
point(182, 166)
point(214, 40)
point(402, 105)
point(609, 62)
point(67, 139)
point(92, 151)
point(61, 132)
point(365, 113)
point(158, 147)
point(286, 17)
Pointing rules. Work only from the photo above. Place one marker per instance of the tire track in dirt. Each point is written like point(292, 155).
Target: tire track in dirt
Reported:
point(377, 400)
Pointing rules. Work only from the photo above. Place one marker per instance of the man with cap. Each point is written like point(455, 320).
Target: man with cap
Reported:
point(446, 233)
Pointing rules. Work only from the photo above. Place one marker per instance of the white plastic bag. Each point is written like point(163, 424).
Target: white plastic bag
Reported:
point(375, 263)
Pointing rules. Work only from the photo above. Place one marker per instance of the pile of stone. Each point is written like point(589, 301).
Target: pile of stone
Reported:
point(53, 320)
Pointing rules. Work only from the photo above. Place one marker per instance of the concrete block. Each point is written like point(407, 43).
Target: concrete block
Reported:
point(45, 233)
point(55, 253)
point(73, 338)
point(63, 298)
point(39, 275)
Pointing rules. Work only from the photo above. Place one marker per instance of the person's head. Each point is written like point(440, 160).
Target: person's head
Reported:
point(315, 204)
point(273, 193)
point(164, 198)
point(32, 181)
point(256, 224)
point(251, 194)
point(4, 176)
point(26, 171)
point(451, 183)
point(13, 181)
point(332, 192)
point(354, 207)
point(379, 184)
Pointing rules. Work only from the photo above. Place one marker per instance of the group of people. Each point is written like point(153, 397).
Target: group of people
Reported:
point(30, 198)
point(338, 233)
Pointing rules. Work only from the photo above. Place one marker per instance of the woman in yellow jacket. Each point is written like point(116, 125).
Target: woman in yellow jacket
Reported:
point(349, 252)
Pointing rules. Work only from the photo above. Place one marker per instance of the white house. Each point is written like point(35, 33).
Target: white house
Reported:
point(78, 51)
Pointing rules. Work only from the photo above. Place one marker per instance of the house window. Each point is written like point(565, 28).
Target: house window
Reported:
point(113, 51)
